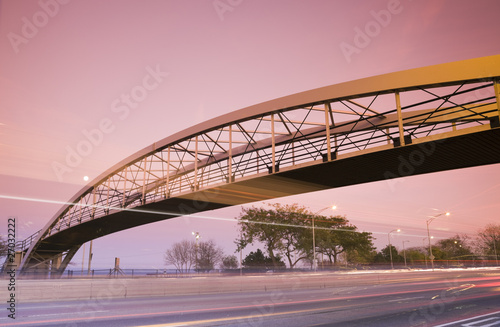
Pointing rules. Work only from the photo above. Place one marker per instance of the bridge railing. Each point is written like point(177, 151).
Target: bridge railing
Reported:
point(26, 243)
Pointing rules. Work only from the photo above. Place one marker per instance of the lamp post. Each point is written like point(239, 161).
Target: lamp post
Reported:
point(404, 252)
point(90, 258)
point(390, 246)
point(241, 257)
point(495, 247)
point(429, 236)
point(333, 207)
point(83, 258)
point(423, 247)
point(196, 236)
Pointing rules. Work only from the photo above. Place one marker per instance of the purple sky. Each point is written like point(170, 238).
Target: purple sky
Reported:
point(64, 66)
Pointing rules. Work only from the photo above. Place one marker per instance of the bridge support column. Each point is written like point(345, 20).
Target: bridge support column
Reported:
point(8, 264)
point(55, 265)
point(61, 264)
point(18, 258)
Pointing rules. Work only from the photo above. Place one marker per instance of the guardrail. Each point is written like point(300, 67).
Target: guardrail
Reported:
point(26, 243)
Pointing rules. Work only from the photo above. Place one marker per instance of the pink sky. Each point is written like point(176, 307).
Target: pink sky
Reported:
point(63, 64)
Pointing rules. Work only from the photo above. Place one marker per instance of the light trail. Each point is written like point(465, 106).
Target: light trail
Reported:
point(418, 293)
point(233, 220)
point(225, 309)
point(470, 318)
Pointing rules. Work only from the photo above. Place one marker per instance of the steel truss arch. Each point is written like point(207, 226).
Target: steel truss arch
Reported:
point(224, 160)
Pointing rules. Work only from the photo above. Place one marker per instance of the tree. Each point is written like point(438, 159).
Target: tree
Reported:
point(181, 255)
point(3, 247)
point(281, 230)
point(385, 255)
point(355, 256)
point(229, 262)
point(208, 255)
point(185, 255)
point(335, 235)
point(453, 248)
point(415, 255)
point(258, 260)
point(488, 240)
point(287, 230)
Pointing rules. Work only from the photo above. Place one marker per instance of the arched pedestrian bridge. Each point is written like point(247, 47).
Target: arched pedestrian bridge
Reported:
point(405, 123)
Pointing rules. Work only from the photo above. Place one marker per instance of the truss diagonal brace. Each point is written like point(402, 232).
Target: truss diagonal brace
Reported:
point(56, 273)
point(364, 107)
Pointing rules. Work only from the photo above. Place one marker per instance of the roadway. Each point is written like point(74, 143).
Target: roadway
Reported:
point(441, 298)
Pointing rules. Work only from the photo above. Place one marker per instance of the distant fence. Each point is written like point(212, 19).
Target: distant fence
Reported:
point(123, 273)
point(173, 273)
point(426, 264)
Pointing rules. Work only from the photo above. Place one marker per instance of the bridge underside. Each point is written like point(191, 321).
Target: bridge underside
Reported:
point(481, 148)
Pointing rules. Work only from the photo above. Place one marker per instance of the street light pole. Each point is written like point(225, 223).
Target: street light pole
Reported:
point(314, 237)
point(241, 257)
point(314, 245)
point(390, 246)
point(404, 252)
point(431, 257)
point(423, 247)
point(495, 247)
point(90, 258)
point(196, 236)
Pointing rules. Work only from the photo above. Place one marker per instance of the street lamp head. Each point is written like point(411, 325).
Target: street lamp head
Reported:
point(394, 230)
point(431, 218)
point(333, 207)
